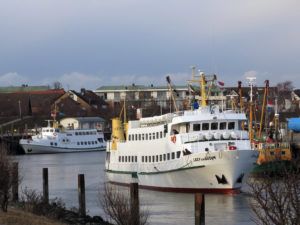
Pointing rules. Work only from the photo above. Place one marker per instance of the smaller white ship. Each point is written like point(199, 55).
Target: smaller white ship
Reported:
point(59, 140)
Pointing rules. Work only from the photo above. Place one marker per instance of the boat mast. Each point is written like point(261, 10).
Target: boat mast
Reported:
point(251, 81)
point(241, 96)
point(171, 92)
point(266, 92)
point(203, 92)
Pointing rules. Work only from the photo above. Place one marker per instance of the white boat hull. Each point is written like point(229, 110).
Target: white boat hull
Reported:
point(39, 149)
point(196, 175)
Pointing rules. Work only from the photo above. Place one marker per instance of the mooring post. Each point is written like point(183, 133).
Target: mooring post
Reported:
point(15, 182)
point(134, 201)
point(81, 195)
point(199, 209)
point(45, 185)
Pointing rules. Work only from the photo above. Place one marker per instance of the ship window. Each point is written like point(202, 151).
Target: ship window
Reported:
point(205, 126)
point(82, 143)
point(132, 158)
point(78, 143)
point(223, 126)
point(149, 158)
point(119, 158)
point(173, 155)
point(139, 137)
point(196, 127)
point(153, 158)
point(136, 137)
point(129, 137)
point(156, 158)
point(231, 125)
point(157, 135)
point(89, 142)
point(142, 158)
point(149, 136)
point(135, 157)
point(178, 154)
point(160, 157)
point(122, 158)
point(51, 143)
point(168, 156)
point(85, 143)
point(55, 144)
point(214, 126)
point(143, 136)
point(165, 157)
point(76, 133)
point(125, 158)
point(146, 159)
point(47, 130)
point(146, 136)
point(153, 136)
point(100, 140)
point(282, 152)
point(161, 134)
point(129, 158)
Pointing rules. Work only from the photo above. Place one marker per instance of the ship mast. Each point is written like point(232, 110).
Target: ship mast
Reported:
point(263, 108)
point(251, 81)
point(241, 96)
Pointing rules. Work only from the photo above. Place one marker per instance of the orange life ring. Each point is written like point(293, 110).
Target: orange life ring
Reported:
point(173, 139)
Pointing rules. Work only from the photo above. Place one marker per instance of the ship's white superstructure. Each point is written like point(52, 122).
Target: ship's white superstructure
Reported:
point(55, 140)
point(195, 150)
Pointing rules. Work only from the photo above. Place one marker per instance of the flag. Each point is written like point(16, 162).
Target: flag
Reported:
point(221, 83)
point(270, 105)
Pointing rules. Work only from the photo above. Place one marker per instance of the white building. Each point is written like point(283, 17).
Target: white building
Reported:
point(83, 123)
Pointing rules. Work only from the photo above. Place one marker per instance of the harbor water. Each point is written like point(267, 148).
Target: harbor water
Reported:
point(164, 208)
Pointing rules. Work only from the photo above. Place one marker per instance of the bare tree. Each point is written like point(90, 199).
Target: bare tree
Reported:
point(7, 178)
point(116, 205)
point(275, 198)
point(57, 85)
point(285, 86)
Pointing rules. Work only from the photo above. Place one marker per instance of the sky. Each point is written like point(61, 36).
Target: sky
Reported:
point(92, 43)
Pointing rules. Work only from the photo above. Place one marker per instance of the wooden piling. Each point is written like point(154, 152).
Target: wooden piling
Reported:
point(81, 195)
point(199, 209)
point(15, 182)
point(134, 201)
point(45, 185)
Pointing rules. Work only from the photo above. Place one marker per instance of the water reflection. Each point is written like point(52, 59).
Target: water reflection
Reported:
point(165, 208)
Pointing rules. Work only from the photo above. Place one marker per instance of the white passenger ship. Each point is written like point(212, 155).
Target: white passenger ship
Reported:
point(55, 140)
point(203, 150)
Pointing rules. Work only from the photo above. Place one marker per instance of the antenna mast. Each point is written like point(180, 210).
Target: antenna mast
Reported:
point(251, 81)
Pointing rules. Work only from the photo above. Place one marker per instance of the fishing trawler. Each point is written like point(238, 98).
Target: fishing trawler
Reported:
point(204, 149)
point(58, 140)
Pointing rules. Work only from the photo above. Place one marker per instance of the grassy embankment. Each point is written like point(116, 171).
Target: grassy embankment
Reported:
point(19, 217)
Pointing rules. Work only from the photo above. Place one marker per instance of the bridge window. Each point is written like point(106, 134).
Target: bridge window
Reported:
point(205, 126)
point(223, 126)
point(214, 126)
point(178, 154)
point(231, 125)
point(173, 155)
point(146, 136)
point(196, 127)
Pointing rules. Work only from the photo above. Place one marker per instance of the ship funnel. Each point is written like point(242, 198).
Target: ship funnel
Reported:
point(117, 132)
